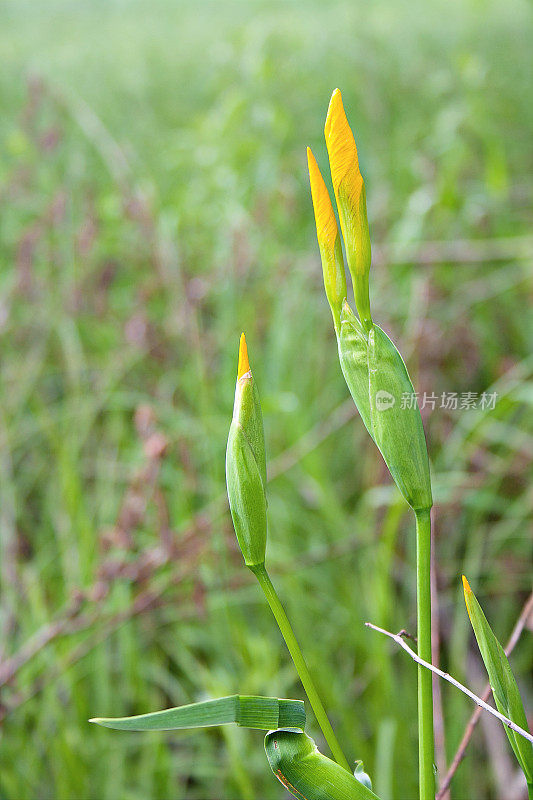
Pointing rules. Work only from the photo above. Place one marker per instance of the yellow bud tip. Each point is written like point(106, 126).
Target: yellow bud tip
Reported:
point(466, 586)
point(342, 150)
point(244, 365)
point(326, 224)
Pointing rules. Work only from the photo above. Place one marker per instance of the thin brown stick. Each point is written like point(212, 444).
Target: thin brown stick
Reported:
point(472, 722)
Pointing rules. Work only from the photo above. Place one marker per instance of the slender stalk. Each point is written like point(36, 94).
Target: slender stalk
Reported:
point(299, 662)
point(425, 687)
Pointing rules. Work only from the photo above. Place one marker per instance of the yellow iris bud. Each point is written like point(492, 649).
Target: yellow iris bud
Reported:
point(328, 240)
point(350, 194)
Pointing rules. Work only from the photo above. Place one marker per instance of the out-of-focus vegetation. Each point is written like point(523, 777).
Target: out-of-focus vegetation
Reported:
point(155, 203)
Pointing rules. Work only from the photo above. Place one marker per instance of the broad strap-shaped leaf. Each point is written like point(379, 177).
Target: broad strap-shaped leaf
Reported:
point(247, 711)
point(502, 681)
point(306, 773)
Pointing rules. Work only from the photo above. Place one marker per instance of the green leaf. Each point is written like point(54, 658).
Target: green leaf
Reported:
point(502, 681)
point(247, 711)
point(306, 773)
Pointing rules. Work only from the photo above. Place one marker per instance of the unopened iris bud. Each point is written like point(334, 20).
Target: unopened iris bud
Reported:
point(350, 193)
point(329, 241)
point(377, 378)
point(372, 366)
point(246, 465)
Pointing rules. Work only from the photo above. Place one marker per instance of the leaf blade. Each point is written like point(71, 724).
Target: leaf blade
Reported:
point(502, 681)
point(247, 711)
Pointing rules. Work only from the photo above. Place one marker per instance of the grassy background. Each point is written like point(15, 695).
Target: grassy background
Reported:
point(154, 204)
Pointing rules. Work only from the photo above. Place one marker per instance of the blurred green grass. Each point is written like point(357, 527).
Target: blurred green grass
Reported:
point(154, 204)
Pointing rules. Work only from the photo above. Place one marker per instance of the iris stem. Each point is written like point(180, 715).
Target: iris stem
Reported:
point(425, 678)
point(299, 662)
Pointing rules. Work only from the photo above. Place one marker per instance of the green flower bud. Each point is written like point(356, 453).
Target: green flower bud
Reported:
point(378, 380)
point(246, 466)
point(397, 427)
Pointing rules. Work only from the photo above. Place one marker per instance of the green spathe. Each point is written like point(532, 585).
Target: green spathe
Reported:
point(397, 426)
point(246, 496)
point(377, 378)
point(247, 412)
point(353, 356)
point(246, 472)
point(308, 774)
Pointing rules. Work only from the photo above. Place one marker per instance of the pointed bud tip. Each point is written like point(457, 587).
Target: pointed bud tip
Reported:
point(244, 364)
point(326, 224)
point(335, 110)
point(466, 586)
point(342, 150)
point(334, 102)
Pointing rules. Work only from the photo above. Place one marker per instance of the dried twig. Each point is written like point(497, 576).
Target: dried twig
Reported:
point(472, 722)
point(506, 721)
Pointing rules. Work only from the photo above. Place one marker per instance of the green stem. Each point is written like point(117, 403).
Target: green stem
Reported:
point(530, 791)
point(299, 662)
point(425, 687)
